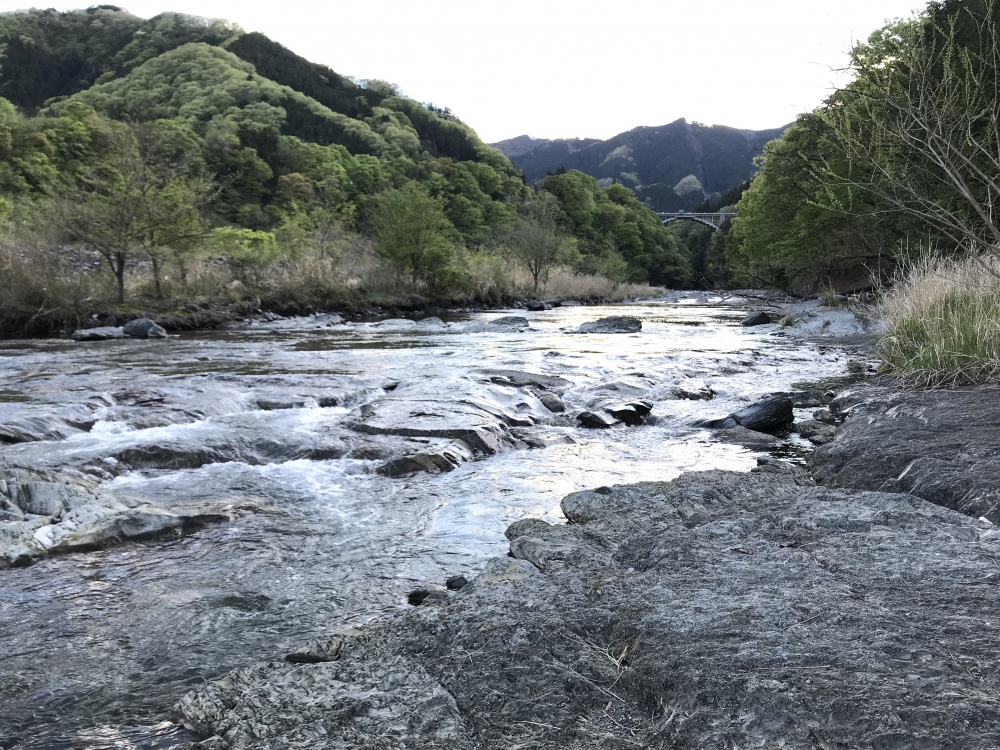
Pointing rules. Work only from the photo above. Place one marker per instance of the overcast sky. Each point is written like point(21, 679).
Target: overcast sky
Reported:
point(572, 68)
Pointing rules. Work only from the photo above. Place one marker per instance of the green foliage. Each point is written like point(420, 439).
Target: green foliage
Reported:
point(142, 193)
point(611, 221)
point(247, 251)
point(414, 233)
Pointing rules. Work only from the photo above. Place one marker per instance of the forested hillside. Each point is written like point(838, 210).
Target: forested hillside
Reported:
point(181, 152)
point(675, 166)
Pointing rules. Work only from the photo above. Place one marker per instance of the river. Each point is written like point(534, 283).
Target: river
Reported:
point(97, 646)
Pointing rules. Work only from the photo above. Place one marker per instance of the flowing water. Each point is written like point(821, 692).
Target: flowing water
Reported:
point(96, 647)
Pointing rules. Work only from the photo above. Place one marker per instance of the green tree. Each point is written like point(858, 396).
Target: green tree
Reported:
point(920, 124)
point(413, 232)
point(141, 196)
point(535, 242)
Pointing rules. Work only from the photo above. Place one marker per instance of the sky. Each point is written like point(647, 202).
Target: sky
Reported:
point(571, 68)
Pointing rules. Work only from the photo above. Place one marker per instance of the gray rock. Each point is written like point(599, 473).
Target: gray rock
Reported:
point(767, 414)
point(521, 379)
point(725, 606)
point(509, 321)
point(939, 445)
point(613, 324)
point(757, 318)
point(632, 413)
point(817, 433)
point(63, 513)
point(101, 333)
point(393, 704)
point(144, 328)
point(600, 420)
point(752, 439)
point(534, 305)
point(693, 390)
point(552, 402)
point(826, 416)
point(433, 461)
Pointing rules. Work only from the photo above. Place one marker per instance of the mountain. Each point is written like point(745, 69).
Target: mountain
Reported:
point(670, 167)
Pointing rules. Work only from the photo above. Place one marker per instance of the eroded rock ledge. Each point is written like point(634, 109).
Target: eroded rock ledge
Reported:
point(717, 610)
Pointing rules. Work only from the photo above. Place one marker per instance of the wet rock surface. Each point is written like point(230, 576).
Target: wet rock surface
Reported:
point(717, 610)
point(44, 513)
point(940, 445)
point(613, 324)
point(99, 333)
point(767, 415)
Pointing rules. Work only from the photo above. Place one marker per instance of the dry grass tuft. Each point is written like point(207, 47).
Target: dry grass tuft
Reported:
point(943, 322)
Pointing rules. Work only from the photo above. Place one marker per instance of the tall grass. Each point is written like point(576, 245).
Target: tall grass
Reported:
point(942, 322)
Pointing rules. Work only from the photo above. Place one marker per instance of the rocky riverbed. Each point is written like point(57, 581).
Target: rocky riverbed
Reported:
point(721, 609)
point(176, 509)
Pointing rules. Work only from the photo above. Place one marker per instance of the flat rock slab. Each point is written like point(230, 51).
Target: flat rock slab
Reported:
point(522, 379)
point(940, 445)
point(100, 333)
point(720, 610)
point(47, 514)
point(613, 324)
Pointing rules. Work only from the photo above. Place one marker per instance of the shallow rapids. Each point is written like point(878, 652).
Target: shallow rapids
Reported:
point(97, 646)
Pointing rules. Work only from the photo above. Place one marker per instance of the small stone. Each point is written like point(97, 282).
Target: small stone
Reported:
point(456, 583)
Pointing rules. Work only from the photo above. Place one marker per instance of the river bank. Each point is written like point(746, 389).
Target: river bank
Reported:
point(851, 603)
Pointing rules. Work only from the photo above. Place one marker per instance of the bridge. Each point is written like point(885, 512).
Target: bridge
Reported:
point(713, 220)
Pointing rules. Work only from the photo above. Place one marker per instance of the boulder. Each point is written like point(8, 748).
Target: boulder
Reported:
point(937, 444)
point(817, 433)
point(552, 402)
point(766, 415)
point(613, 324)
point(144, 328)
point(101, 333)
point(534, 305)
point(757, 318)
point(749, 439)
